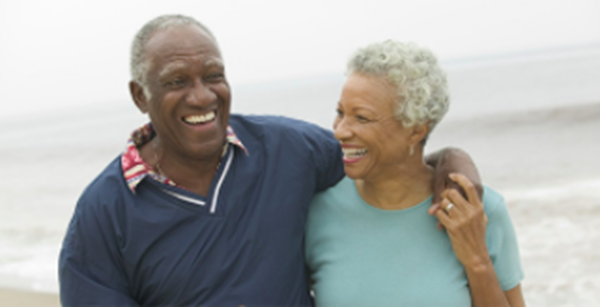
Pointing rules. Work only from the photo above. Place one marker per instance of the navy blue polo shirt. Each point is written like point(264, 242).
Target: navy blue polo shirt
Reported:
point(242, 244)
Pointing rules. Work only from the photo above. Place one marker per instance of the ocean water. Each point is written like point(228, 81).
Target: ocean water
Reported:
point(523, 102)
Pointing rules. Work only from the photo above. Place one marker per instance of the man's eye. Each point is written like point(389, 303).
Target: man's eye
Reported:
point(216, 76)
point(339, 113)
point(176, 82)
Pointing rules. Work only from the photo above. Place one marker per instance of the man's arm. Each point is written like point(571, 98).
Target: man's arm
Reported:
point(82, 285)
point(89, 271)
point(446, 161)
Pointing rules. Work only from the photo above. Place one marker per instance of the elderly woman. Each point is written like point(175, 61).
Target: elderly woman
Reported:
point(370, 240)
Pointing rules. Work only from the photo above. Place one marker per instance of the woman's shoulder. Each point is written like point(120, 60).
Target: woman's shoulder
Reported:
point(337, 195)
point(501, 240)
point(343, 188)
point(496, 210)
point(492, 201)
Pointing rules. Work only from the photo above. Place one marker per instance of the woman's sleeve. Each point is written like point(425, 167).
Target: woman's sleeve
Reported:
point(502, 241)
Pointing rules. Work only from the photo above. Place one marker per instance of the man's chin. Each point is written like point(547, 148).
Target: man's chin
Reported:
point(207, 150)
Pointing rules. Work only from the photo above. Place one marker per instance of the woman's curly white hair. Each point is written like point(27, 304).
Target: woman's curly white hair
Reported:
point(422, 96)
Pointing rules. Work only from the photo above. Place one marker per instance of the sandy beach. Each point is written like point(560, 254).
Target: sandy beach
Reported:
point(17, 298)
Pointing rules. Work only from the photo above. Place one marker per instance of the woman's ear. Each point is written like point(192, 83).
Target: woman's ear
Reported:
point(419, 132)
point(139, 96)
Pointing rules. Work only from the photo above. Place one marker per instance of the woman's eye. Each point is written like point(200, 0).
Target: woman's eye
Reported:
point(362, 119)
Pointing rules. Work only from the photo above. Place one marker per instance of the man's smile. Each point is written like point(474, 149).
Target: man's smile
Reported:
point(200, 119)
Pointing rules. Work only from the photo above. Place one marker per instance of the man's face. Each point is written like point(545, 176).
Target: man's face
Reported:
point(189, 99)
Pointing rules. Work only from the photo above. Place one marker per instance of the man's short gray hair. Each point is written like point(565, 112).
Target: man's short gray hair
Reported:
point(422, 95)
point(138, 65)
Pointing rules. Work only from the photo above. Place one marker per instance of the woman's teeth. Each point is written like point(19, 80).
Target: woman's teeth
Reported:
point(353, 153)
point(199, 119)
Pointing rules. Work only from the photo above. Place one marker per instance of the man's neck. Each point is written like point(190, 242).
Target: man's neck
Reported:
point(195, 175)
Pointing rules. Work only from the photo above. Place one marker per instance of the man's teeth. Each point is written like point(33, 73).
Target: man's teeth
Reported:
point(354, 152)
point(199, 119)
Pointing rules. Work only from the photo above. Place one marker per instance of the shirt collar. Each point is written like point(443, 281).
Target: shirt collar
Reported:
point(135, 169)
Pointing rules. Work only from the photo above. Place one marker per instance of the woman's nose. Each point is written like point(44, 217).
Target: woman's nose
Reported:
point(341, 130)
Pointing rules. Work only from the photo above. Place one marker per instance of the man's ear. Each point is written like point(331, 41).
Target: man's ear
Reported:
point(139, 96)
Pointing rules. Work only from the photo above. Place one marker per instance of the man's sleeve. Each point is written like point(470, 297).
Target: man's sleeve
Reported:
point(90, 267)
point(502, 242)
point(327, 154)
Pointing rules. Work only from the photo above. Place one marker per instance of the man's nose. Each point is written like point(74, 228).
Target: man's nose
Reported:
point(201, 94)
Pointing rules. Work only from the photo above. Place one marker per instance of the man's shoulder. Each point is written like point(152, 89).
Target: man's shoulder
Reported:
point(108, 184)
point(265, 124)
point(285, 135)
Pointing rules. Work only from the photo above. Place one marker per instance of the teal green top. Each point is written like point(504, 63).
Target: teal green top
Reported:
point(360, 255)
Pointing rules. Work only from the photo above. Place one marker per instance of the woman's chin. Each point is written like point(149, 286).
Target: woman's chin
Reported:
point(352, 174)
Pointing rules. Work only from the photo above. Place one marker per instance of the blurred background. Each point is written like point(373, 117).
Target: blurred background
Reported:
point(524, 78)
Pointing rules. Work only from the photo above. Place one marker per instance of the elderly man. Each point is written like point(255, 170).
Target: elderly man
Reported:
point(202, 208)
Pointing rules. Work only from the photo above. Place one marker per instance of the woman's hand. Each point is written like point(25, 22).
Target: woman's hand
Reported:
point(445, 162)
point(465, 221)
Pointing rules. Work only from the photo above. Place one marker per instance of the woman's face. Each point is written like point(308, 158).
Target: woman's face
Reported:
point(374, 143)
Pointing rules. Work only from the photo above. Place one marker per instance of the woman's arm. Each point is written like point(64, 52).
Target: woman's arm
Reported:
point(486, 291)
point(515, 296)
point(465, 221)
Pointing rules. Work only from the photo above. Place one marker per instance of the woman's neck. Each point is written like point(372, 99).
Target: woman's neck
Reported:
point(409, 186)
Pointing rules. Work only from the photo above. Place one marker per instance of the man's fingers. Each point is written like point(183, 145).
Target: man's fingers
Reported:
point(438, 187)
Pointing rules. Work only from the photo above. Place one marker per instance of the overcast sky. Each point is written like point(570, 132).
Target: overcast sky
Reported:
point(60, 53)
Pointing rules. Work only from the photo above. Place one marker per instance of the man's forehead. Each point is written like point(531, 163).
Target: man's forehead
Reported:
point(178, 47)
point(181, 39)
point(182, 64)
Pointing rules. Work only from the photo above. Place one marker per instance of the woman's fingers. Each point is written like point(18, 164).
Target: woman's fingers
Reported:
point(467, 186)
point(441, 183)
point(465, 225)
point(453, 181)
point(443, 217)
point(446, 202)
point(447, 205)
point(433, 208)
point(446, 208)
point(439, 226)
point(458, 200)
